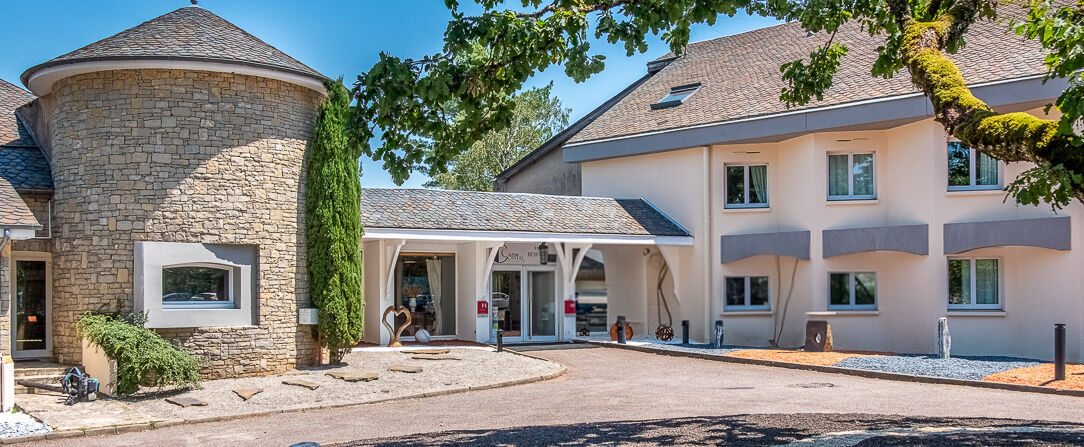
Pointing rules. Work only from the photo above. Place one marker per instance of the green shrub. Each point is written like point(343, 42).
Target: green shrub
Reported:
point(143, 357)
point(333, 226)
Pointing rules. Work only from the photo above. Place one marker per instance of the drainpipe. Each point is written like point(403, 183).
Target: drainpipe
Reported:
point(6, 238)
point(707, 232)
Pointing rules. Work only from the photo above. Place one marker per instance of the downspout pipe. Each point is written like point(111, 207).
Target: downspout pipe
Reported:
point(4, 241)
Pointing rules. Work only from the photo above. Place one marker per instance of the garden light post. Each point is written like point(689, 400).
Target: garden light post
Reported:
point(500, 339)
point(684, 332)
point(1059, 351)
point(621, 329)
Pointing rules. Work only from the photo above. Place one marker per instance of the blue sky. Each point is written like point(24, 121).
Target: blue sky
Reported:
point(336, 37)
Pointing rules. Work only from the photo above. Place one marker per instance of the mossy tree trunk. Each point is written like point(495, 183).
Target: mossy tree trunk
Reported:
point(1009, 137)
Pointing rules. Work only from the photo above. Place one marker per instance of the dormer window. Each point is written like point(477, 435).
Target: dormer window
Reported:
point(677, 96)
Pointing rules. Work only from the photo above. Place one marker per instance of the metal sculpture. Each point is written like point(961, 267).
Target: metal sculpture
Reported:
point(397, 333)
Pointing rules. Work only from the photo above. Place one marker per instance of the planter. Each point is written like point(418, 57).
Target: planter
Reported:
point(100, 367)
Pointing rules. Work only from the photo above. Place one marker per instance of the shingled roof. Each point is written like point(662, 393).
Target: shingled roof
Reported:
point(190, 33)
point(431, 209)
point(12, 132)
point(13, 211)
point(740, 76)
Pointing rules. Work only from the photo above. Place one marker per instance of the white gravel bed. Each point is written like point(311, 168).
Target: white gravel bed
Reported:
point(20, 424)
point(968, 368)
point(477, 367)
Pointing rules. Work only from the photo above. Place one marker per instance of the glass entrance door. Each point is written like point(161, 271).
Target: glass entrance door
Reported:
point(31, 335)
point(506, 298)
point(525, 300)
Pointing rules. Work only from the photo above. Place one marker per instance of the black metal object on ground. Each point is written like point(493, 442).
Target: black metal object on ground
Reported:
point(1059, 351)
point(500, 340)
point(621, 329)
point(684, 332)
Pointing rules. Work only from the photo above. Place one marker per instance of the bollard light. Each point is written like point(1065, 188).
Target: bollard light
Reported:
point(1059, 351)
point(684, 332)
point(500, 339)
point(621, 329)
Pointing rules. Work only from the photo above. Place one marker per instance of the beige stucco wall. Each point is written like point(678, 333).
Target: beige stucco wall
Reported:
point(182, 156)
point(1040, 287)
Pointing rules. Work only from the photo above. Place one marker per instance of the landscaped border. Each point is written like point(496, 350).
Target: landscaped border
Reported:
point(841, 370)
point(145, 426)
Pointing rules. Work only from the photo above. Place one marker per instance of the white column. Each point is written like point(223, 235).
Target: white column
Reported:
point(487, 255)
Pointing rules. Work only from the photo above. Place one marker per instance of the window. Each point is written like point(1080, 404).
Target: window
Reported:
point(853, 291)
point(746, 186)
point(746, 293)
point(425, 284)
point(969, 169)
point(677, 96)
point(196, 286)
point(973, 284)
point(850, 177)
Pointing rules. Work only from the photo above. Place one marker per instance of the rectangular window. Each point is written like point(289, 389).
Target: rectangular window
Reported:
point(852, 291)
point(969, 169)
point(850, 177)
point(974, 283)
point(197, 286)
point(746, 186)
point(425, 285)
point(746, 293)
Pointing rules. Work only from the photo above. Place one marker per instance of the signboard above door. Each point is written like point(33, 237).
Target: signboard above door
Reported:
point(523, 254)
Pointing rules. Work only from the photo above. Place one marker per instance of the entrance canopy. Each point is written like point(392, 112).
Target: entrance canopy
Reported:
point(429, 214)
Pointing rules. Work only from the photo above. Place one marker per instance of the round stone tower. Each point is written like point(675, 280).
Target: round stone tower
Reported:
point(180, 143)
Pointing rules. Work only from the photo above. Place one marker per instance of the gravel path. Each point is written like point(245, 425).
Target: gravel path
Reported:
point(477, 367)
point(20, 424)
point(970, 368)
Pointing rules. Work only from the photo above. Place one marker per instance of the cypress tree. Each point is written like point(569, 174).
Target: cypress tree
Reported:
point(333, 226)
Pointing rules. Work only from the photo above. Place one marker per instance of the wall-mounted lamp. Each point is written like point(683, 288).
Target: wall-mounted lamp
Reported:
point(543, 253)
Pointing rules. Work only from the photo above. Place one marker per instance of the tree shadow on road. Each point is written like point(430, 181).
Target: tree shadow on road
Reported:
point(723, 430)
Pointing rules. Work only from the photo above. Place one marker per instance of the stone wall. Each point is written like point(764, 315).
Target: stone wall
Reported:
point(182, 156)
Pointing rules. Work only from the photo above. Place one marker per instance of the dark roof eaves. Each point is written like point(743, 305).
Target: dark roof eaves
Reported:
point(25, 77)
point(563, 136)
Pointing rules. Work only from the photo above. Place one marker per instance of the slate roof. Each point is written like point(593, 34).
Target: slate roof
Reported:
point(13, 211)
point(432, 209)
point(189, 33)
point(741, 78)
point(12, 132)
point(26, 169)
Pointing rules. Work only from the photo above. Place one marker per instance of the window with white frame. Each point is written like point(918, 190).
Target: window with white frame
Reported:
point(852, 291)
point(747, 186)
point(974, 283)
point(746, 293)
point(850, 176)
point(969, 169)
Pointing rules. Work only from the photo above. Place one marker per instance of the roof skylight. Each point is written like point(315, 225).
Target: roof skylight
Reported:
point(677, 96)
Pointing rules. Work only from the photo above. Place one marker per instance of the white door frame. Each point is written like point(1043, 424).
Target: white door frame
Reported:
point(48, 259)
point(525, 303)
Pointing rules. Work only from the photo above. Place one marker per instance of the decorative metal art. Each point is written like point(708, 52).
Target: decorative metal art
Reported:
point(585, 331)
point(398, 332)
point(664, 332)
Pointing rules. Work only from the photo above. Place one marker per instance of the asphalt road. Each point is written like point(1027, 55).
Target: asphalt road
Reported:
point(614, 396)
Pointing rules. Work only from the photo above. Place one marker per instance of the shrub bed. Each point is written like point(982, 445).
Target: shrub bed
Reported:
point(143, 357)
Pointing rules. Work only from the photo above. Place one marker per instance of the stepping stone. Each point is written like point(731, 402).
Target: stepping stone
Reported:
point(302, 383)
point(185, 402)
point(427, 351)
point(247, 393)
point(435, 357)
point(405, 368)
point(354, 377)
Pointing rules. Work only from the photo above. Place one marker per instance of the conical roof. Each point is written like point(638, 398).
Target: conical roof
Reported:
point(189, 34)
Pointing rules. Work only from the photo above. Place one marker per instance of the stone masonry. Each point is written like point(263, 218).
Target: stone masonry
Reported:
point(182, 156)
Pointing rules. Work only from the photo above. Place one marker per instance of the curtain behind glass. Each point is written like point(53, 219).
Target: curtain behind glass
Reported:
point(985, 170)
point(985, 281)
point(433, 271)
point(837, 175)
point(863, 174)
point(758, 184)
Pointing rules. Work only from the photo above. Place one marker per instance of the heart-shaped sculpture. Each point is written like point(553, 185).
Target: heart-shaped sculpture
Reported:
point(395, 334)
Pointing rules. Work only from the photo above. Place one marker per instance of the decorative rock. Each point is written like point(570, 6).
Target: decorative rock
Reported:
point(247, 393)
point(944, 341)
point(405, 368)
point(354, 377)
point(185, 402)
point(427, 351)
point(435, 357)
point(302, 383)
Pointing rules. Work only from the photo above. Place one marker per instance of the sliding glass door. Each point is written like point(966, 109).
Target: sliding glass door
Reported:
point(526, 310)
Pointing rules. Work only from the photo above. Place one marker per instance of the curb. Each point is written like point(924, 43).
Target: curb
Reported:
point(119, 429)
point(848, 371)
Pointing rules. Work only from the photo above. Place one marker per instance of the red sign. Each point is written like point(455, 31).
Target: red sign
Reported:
point(483, 308)
point(570, 306)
